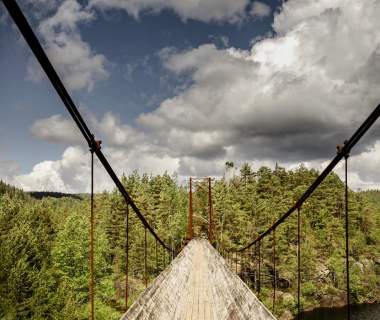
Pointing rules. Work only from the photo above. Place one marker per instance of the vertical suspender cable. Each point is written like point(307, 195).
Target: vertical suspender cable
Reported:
point(255, 270)
point(243, 264)
point(92, 284)
point(156, 258)
point(274, 269)
point(246, 265)
point(256, 266)
point(236, 258)
point(164, 257)
point(145, 257)
point(298, 261)
point(190, 217)
point(127, 262)
point(210, 222)
point(259, 277)
point(347, 244)
point(170, 255)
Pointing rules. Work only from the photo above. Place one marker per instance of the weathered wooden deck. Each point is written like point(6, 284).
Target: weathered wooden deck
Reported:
point(198, 285)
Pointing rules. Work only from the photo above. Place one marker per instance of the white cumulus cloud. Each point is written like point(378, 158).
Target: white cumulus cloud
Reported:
point(57, 129)
point(63, 130)
point(75, 61)
point(292, 96)
point(71, 173)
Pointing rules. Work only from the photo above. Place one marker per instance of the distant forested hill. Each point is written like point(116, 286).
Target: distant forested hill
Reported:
point(44, 241)
point(46, 194)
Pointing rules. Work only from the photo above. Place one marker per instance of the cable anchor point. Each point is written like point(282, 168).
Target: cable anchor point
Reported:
point(340, 149)
point(95, 144)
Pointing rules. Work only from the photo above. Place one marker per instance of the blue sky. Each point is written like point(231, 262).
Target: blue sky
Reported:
point(130, 45)
point(183, 87)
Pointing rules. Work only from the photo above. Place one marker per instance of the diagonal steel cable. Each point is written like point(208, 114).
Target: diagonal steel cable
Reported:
point(34, 44)
point(345, 150)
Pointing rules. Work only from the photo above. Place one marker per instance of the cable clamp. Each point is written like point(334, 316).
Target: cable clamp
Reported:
point(95, 144)
point(340, 148)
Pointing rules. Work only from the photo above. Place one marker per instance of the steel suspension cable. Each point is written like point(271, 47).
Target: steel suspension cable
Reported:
point(34, 44)
point(346, 148)
point(31, 39)
point(347, 238)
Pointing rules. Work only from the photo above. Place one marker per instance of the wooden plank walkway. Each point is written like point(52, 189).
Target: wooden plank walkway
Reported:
point(198, 285)
point(200, 304)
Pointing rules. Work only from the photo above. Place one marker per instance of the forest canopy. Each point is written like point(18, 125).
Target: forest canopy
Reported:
point(44, 241)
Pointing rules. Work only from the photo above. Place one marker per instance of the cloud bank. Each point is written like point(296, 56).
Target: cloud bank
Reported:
point(291, 98)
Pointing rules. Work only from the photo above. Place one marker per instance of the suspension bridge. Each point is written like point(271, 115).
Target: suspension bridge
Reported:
point(202, 281)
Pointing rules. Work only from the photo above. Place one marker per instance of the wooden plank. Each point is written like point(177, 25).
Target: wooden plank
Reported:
point(198, 285)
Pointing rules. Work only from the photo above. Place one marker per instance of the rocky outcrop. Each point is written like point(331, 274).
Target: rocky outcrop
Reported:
point(287, 315)
point(330, 301)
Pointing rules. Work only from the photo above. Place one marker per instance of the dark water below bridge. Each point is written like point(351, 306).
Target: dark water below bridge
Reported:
point(359, 312)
